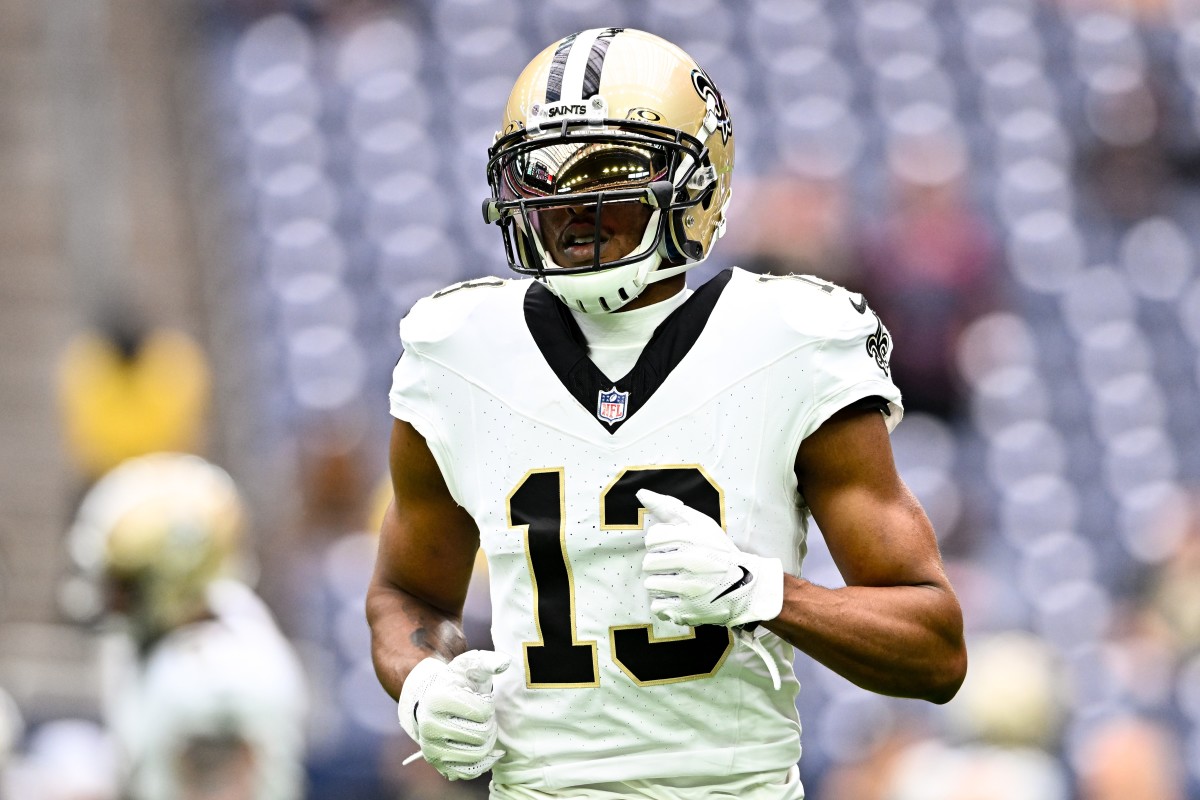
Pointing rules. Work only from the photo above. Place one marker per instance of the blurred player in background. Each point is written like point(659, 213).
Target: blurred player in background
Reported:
point(641, 481)
point(127, 388)
point(204, 696)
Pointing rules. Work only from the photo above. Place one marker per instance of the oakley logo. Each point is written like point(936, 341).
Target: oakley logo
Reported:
point(647, 114)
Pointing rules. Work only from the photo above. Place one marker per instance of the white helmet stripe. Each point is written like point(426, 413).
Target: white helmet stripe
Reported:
point(576, 66)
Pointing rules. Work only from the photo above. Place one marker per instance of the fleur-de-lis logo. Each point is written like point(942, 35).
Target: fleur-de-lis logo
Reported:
point(879, 345)
point(716, 104)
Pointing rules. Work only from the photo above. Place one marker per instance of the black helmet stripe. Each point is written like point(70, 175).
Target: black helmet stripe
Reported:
point(557, 67)
point(591, 74)
point(575, 72)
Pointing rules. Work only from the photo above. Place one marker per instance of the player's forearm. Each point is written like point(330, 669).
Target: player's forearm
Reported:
point(406, 629)
point(904, 641)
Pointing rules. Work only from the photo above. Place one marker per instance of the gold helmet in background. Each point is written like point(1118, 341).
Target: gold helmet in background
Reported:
point(606, 116)
point(156, 531)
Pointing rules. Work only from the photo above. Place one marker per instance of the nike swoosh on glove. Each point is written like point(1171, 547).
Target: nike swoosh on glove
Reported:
point(696, 575)
point(449, 711)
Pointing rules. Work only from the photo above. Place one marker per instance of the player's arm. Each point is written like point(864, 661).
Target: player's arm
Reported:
point(427, 549)
point(896, 628)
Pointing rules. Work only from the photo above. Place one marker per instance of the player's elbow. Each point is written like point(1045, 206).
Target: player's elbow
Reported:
point(947, 652)
point(948, 676)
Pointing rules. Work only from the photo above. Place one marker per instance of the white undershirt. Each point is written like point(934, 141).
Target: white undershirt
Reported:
point(616, 340)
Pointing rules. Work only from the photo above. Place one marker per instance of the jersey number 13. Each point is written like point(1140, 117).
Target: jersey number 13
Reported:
point(558, 659)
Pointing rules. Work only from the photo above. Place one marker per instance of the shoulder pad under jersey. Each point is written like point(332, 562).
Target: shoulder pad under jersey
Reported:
point(810, 304)
point(819, 310)
point(439, 315)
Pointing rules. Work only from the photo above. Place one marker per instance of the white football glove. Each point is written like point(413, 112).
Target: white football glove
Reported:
point(696, 575)
point(448, 710)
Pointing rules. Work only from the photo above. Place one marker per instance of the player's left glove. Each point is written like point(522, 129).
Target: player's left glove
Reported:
point(696, 575)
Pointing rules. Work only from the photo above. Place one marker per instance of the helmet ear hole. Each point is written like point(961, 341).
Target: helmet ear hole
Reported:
point(677, 247)
point(669, 248)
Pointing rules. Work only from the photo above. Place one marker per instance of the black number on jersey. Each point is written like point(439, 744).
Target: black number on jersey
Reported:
point(558, 659)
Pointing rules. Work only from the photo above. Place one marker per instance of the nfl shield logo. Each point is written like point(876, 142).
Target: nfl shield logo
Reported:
point(612, 406)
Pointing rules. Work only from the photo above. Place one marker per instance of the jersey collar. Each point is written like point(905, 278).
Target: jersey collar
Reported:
point(564, 347)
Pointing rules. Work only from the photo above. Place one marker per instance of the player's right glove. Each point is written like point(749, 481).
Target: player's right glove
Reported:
point(696, 575)
point(448, 710)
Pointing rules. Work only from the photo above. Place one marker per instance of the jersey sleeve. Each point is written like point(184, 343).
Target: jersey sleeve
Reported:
point(850, 364)
point(412, 400)
point(421, 383)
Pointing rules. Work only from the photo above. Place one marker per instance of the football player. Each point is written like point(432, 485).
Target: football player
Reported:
point(204, 695)
point(638, 461)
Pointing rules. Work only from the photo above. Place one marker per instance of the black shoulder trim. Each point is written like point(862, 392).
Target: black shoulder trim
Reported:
point(565, 349)
point(872, 403)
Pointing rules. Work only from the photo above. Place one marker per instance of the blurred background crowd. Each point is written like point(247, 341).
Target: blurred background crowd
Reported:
point(220, 209)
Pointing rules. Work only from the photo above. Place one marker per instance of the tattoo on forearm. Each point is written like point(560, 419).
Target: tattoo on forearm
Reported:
point(432, 631)
point(420, 638)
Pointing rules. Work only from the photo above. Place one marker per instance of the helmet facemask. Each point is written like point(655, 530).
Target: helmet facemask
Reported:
point(594, 170)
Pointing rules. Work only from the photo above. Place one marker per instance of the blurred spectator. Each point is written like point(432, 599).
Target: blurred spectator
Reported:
point(1126, 166)
point(204, 696)
point(1130, 758)
point(333, 490)
point(795, 224)
point(1174, 600)
point(929, 268)
point(126, 389)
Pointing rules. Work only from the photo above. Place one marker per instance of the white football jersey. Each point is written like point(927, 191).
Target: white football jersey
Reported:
point(547, 453)
point(233, 677)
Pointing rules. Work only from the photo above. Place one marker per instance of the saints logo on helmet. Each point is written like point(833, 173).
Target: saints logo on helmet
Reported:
point(603, 120)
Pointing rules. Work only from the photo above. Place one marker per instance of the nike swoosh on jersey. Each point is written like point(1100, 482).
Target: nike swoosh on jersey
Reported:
point(861, 305)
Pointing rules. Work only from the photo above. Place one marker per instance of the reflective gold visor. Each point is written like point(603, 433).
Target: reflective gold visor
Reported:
point(579, 167)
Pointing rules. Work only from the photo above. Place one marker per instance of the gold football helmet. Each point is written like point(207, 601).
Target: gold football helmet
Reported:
point(603, 117)
point(156, 531)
